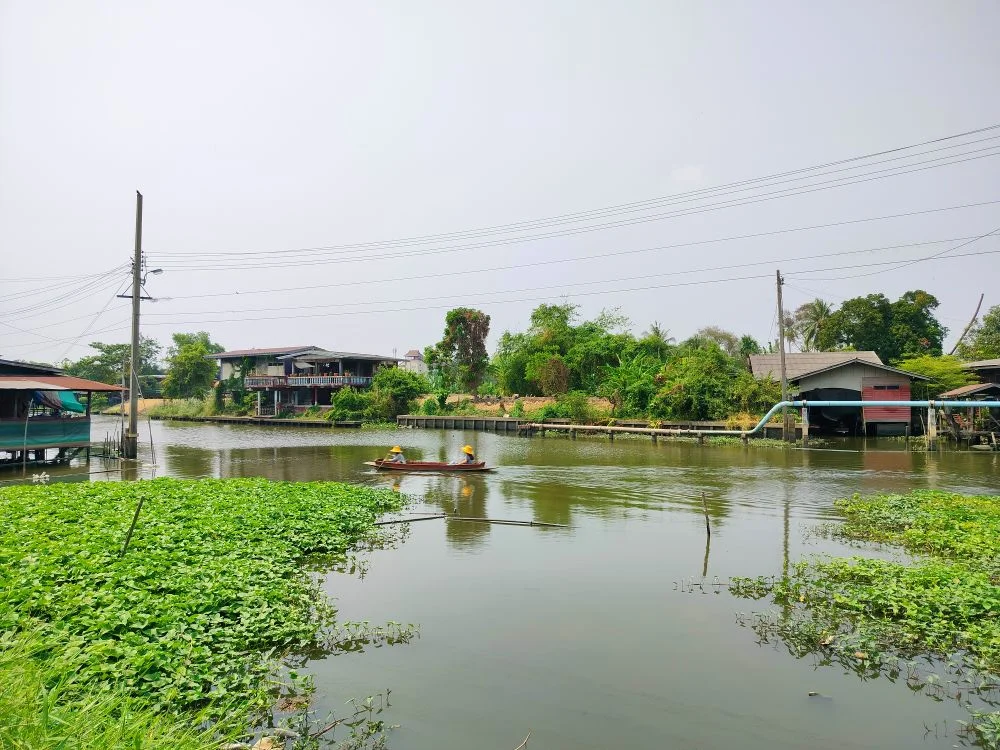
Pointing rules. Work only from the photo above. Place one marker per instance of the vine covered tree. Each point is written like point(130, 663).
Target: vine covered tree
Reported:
point(190, 370)
point(460, 358)
point(983, 339)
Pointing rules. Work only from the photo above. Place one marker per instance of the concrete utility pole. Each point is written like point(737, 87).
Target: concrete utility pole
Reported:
point(786, 431)
point(130, 440)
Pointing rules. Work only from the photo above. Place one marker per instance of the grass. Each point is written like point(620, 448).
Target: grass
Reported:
point(190, 623)
point(184, 407)
point(881, 617)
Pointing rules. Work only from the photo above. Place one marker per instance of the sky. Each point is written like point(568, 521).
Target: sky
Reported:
point(340, 174)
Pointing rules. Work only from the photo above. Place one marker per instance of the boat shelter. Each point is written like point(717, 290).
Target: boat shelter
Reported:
point(41, 412)
point(845, 376)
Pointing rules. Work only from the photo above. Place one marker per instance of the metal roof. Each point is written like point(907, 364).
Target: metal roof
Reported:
point(974, 388)
point(866, 363)
point(799, 364)
point(322, 355)
point(983, 364)
point(52, 383)
point(273, 350)
point(32, 367)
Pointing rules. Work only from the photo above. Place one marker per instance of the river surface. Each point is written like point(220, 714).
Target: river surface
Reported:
point(581, 634)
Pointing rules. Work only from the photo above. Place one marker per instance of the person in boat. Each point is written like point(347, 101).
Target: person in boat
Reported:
point(396, 456)
point(469, 456)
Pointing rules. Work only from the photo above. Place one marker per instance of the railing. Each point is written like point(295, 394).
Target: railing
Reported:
point(297, 381)
point(43, 433)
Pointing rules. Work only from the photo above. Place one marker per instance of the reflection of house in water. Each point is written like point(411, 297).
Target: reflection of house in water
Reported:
point(845, 376)
point(40, 416)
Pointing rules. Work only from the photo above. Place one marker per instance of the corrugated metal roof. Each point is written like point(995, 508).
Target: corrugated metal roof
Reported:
point(983, 364)
point(974, 388)
point(261, 352)
point(798, 364)
point(324, 354)
point(54, 383)
point(32, 367)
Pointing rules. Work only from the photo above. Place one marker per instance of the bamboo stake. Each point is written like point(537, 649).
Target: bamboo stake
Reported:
point(704, 506)
point(524, 744)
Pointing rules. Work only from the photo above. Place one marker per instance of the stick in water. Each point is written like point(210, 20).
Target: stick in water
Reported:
point(704, 505)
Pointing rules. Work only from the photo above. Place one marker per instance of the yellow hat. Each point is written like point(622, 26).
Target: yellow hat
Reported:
point(396, 449)
point(468, 449)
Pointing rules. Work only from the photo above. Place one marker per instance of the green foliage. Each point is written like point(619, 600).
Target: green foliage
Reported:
point(945, 373)
point(46, 703)
point(548, 372)
point(190, 371)
point(348, 405)
point(461, 357)
point(187, 407)
point(809, 321)
point(111, 364)
point(393, 389)
point(630, 385)
point(871, 614)
point(212, 586)
point(696, 383)
point(983, 339)
point(905, 328)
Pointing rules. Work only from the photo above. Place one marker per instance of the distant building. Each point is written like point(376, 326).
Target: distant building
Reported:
point(413, 361)
point(298, 376)
point(844, 376)
point(40, 412)
point(987, 370)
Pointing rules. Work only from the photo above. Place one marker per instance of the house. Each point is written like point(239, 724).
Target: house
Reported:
point(40, 412)
point(298, 376)
point(413, 361)
point(987, 370)
point(844, 376)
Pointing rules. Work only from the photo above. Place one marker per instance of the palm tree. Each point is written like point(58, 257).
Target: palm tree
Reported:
point(808, 322)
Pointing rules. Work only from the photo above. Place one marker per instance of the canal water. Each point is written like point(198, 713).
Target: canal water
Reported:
point(582, 634)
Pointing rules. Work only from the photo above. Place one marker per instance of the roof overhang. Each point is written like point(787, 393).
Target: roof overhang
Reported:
point(53, 383)
point(862, 362)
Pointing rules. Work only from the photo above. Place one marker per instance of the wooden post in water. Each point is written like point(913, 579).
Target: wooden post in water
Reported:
point(931, 428)
point(805, 426)
point(611, 436)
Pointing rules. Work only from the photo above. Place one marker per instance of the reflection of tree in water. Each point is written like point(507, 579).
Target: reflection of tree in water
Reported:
point(454, 495)
point(184, 461)
point(304, 463)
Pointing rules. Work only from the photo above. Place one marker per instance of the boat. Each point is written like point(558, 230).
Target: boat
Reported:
point(384, 465)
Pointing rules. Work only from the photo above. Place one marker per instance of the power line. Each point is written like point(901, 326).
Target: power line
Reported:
point(672, 272)
point(478, 297)
point(645, 204)
point(209, 266)
point(595, 256)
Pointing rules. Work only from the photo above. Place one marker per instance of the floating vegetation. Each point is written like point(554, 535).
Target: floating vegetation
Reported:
point(932, 623)
point(191, 622)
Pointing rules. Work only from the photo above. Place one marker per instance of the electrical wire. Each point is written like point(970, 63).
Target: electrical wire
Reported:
point(672, 272)
point(224, 266)
point(644, 204)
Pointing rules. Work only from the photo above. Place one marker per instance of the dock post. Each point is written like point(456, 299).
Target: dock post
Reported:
point(572, 434)
point(805, 426)
point(745, 438)
point(653, 434)
point(931, 428)
point(611, 436)
point(701, 438)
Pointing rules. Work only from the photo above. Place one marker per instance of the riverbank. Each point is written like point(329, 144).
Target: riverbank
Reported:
point(185, 627)
point(877, 616)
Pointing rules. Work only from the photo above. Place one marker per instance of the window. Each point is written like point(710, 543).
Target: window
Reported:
point(887, 387)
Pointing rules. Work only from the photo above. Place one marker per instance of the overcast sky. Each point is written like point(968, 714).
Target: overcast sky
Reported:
point(256, 129)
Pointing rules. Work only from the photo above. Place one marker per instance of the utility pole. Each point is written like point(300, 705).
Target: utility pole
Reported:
point(786, 432)
point(130, 441)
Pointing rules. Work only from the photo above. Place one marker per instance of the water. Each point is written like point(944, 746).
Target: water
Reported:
point(580, 634)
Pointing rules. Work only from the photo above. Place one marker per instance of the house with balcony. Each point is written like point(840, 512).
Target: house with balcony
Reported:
point(297, 377)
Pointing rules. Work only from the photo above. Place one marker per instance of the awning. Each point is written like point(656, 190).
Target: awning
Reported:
point(61, 400)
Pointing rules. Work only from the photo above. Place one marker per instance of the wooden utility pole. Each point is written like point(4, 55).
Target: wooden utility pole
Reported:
point(130, 440)
point(786, 432)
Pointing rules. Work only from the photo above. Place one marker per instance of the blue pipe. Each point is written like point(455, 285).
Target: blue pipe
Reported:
point(926, 404)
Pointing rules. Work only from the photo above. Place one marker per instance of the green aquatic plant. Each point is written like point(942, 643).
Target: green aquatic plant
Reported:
point(211, 593)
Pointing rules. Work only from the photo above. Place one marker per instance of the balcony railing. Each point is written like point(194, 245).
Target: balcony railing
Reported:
point(300, 381)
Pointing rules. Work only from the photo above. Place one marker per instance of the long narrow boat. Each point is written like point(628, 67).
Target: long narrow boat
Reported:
point(383, 465)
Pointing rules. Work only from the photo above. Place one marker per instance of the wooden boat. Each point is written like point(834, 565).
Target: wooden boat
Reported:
point(384, 465)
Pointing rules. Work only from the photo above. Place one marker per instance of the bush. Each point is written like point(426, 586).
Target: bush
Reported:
point(576, 406)
point(429, 407)
point(393, 390)
point(517, 410)
point(348, 405)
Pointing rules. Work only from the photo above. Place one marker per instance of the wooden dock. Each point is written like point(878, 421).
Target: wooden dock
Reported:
point(263, 421)
point(528, 428)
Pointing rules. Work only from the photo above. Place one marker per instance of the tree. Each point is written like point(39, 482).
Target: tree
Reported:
point(461, 355)
point(945, 373)
point(983, 339)
point(548, 372)
point(111, 363)
point(807, 322)
point(916, 330)
point(696, 383)
point(728, 342)
point(657, 341)
point(393, 390)
point(190, 370)
point(630, 385)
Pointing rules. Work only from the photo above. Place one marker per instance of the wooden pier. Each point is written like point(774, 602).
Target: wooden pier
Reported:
point(485, 424)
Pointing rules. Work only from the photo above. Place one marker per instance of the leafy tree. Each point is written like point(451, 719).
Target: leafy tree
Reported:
point(657, 341)
point(983, 339)
point(945, 373)
point(916, 330)
point(461, 354)
point(748, 347)
point(190, 371)
point(111, 363)
point(511, 362)
point(728, 342)
point(893, 330)
point(807, 322)
point(548, 372)
point(393, 390)
point(696, 382)
point(630, 385)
